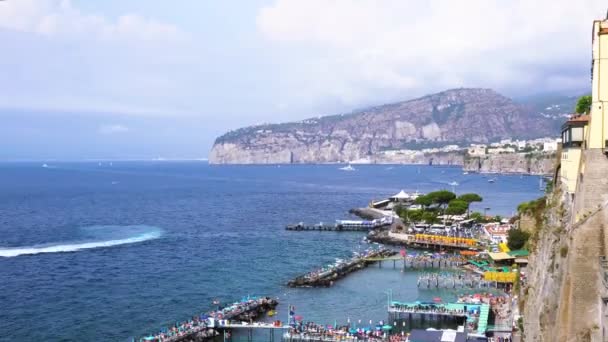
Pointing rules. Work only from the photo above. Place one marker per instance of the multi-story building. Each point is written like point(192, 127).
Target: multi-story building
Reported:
point(588, 132)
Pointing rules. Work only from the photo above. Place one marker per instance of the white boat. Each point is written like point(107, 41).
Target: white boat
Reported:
point(465, 173)
point(44, 165)
point(491, 180)
point(347, 168)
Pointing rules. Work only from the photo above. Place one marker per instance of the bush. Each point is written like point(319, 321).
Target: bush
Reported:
point(563, 251)
point(517, 238)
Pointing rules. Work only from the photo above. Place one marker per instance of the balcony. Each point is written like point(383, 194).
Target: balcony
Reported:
point(573, 132)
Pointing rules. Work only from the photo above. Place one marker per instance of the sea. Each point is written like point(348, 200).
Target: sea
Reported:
point(110, 251)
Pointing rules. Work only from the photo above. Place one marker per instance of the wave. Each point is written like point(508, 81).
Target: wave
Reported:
point(74, 247)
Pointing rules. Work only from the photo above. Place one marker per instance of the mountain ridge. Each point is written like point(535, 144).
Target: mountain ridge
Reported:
point(453, 116)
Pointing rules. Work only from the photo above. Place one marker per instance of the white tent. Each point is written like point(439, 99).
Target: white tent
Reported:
point(402, 195)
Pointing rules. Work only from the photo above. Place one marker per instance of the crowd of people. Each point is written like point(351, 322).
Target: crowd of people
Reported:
point(201, 327)
point(317, 332)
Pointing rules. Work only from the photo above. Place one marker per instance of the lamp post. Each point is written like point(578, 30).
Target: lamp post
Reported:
point(485, 211)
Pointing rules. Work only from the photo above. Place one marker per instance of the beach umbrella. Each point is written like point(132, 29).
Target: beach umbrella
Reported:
point(298, 318)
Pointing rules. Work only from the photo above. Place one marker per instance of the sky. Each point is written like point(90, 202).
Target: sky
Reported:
point(141, 79)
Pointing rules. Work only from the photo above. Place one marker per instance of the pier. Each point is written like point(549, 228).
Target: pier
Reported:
point(326, 276)
point(343, 225)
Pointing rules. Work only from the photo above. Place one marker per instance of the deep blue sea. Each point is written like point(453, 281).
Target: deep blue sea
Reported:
point(125, 248)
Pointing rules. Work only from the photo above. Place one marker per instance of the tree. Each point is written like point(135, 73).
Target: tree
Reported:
point(429, 217)
point(470, 198)
point(442, 197)
point(583, 106)
point(424, 201)
point(477, 216)
point(517, 238)
point(457, 207)
point(415, 215)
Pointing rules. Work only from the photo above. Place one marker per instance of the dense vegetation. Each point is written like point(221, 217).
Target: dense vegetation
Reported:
point(517, 238)
point(583, 106)
point(438, 203)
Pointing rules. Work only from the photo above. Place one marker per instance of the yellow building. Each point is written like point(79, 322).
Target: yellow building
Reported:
point(587, 132)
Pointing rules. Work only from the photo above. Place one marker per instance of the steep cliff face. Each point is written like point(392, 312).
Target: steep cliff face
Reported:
point(453, 116)
point(563, 296)
point(536, 164)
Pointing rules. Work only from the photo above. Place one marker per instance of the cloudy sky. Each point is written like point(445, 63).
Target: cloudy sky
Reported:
point(156, 78)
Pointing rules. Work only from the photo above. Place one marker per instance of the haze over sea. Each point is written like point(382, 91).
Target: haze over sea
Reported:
point(106, 252)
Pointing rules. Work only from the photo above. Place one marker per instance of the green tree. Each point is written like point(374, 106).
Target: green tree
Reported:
point(457, 207)
point(441, 197)
point(517, 238)
point(583, 106)
point(429, 217)
point(470, 198)
point(477, 216)
point(415, 215)
point(424, 201)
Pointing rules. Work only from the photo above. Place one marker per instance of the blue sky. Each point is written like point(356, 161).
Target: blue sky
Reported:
point(131, 79)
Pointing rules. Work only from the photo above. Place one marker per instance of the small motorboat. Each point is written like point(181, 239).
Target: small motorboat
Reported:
point(347, 168)
point(491, 180)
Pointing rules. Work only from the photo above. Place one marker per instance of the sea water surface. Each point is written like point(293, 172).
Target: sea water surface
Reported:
point(105, 252)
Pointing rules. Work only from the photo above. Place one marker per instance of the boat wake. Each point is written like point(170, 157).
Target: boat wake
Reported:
point(138, 234)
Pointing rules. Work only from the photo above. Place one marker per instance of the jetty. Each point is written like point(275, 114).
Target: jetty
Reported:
point(326, 276)
point(344, 225)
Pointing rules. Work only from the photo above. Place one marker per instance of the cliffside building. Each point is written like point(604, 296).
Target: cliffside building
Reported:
point(588, 132)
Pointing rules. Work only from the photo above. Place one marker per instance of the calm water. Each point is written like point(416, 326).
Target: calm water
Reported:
point(146, 244)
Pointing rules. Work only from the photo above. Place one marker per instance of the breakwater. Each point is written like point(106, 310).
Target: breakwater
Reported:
point(327, 275)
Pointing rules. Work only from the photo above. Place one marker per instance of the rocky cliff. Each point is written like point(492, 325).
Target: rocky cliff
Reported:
point(453, 116)
point(566, 281)
point(530, 163)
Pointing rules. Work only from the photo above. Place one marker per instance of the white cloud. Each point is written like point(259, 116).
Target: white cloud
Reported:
point(112, 129)
point(60, 18)
point(57, 57)
point(363, 48)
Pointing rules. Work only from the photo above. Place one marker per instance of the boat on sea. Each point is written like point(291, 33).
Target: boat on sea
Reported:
point(347, 168)
point(465, 173)
point(45, 166)
point(491, 180)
